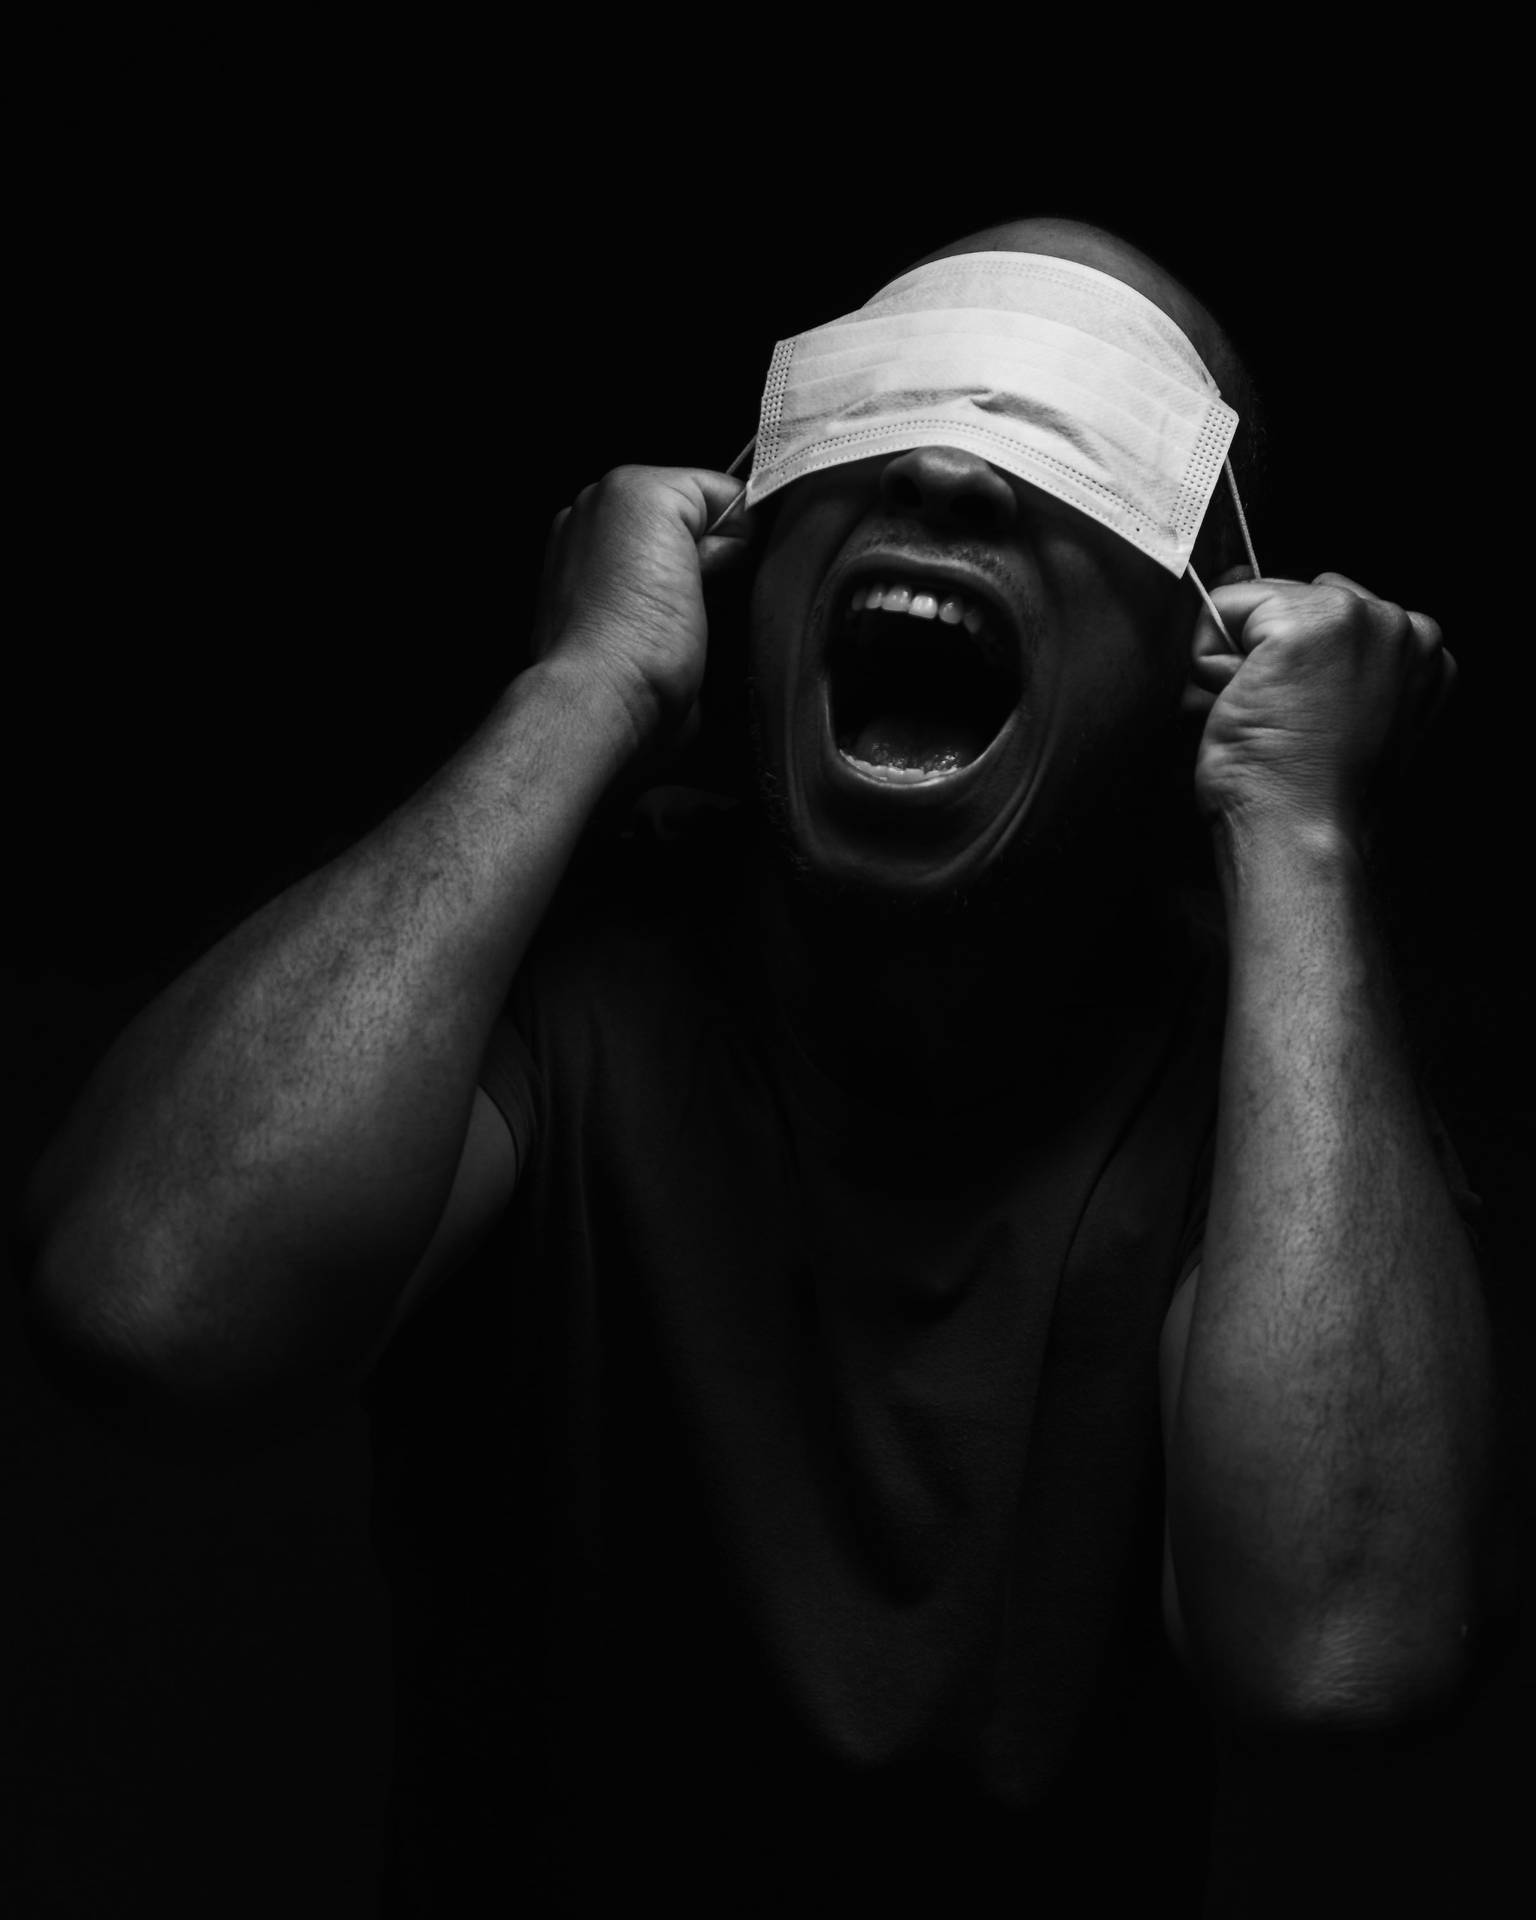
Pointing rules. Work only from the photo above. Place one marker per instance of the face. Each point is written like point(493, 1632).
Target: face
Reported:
point(950, 671)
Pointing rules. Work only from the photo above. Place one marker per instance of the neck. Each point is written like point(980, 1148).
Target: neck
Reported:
point(945, 1006)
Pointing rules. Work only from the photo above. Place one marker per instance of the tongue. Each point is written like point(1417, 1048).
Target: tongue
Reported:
point(926, 743)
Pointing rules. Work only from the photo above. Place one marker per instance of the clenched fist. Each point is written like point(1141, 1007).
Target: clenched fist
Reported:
point(622, 598)
point(1330, 692)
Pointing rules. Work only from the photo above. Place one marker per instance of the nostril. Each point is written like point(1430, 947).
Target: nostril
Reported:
point(950, 487)
point(977, 511)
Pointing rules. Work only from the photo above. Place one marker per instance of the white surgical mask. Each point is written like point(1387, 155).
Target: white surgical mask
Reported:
point(1052, 371)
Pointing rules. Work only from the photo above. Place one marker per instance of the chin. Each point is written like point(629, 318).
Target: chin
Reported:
point(914, 869)
point(1009, 855)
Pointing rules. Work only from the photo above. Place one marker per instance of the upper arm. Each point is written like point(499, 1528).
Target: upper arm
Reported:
point(482, 1190)
point(1171, 1350)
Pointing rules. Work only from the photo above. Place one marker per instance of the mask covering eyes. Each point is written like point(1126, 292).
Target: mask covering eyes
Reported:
point(1050, 370)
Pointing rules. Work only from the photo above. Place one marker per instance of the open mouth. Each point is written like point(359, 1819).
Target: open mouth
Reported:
point(920, 681)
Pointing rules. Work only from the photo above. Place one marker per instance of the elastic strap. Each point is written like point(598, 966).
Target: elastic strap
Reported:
point(1237, 501)
point(1200, 584)
point(1253, 558)
point(732, 470)
point(1242, 518)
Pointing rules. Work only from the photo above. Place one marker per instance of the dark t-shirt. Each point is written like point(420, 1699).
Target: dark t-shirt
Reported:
point(848, 1416)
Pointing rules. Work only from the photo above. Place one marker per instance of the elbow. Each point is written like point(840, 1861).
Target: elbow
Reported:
point(1356, 1680)
point(81, 1299)
point(104, 1356)
point(1376, 1705)
point(83, 1339)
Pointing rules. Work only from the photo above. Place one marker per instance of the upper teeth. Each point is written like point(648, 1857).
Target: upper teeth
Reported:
point(952, 608)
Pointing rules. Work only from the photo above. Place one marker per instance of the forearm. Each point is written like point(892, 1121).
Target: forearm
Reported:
point(260, 1159)
point(1328, 1449)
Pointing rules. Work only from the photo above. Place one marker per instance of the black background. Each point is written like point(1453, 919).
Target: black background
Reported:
point(315, 363)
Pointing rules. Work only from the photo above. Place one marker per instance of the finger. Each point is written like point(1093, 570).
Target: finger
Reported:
point(1196, 700)
point(1432, 696)
point(730, 533)
point(704, 495)
point(552, 548)
point(1241, 603)
point(1215, 670)
point(1244, 598)
point(1444, 692)
point(733, 519)
point(557, 527)
point(1208, 642)
point(719, 491)
point(720, 552)
point(1215, 634)
point(1350, 586)
point(1426, 672)
point(547, 574)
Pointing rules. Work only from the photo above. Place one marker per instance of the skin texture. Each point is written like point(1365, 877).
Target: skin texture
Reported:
point(285, 1148)
point(1101, 635)
point(1053, 850)
point(1325, 1372)
point(1100, 631)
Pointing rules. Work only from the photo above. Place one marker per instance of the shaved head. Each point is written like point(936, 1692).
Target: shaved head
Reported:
point(1107, 253)
point(1219, 545)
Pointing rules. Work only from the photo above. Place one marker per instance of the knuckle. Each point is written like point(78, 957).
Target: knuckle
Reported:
point(1339, 587)
point(1390, 625)
point(1368, 623)
point(1335, 605)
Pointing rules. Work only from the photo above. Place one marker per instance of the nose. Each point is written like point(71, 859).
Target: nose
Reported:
point(950, 488)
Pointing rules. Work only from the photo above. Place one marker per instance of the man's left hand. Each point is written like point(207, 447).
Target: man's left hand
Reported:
point(1323, 705)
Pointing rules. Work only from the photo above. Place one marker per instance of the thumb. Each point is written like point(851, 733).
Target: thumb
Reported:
point(1214, 670)
point(1208, 641)
point(731, 537)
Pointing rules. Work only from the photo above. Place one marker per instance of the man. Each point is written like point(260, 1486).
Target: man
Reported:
point(886, 1170)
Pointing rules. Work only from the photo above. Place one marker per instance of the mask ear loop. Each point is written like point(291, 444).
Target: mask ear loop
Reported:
point(732, 470)
point(1242, 520)
point(1253, 558)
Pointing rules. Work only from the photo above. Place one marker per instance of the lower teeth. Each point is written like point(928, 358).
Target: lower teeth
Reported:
point(906, 776)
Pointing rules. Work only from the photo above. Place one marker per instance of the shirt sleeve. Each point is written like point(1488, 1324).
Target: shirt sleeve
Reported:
point(1192, 1237)
point(508, 1075)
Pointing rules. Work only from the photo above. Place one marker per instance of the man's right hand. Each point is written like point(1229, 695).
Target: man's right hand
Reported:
point(281, 1150)
point(622, 592)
